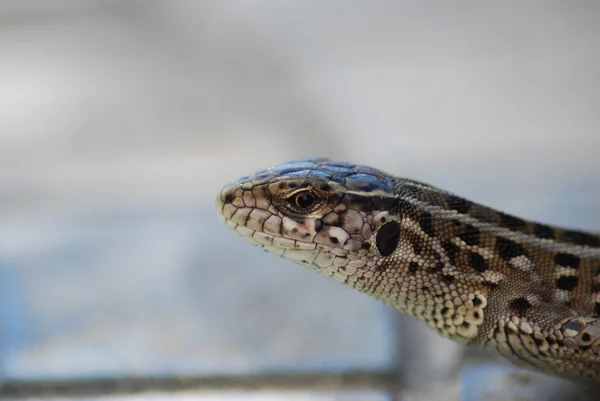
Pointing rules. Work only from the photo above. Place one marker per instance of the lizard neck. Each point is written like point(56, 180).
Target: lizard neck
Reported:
point(520, 267)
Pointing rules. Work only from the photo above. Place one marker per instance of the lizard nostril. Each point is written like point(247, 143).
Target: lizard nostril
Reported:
point(227, 200)
point(228, 193)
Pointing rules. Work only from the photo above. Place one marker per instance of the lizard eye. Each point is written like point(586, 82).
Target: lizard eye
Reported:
point(303, 201)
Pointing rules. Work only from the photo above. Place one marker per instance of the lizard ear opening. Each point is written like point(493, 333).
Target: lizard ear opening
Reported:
point(388, 238)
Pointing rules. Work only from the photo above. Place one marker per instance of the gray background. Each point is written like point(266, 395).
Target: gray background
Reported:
point(121, 120)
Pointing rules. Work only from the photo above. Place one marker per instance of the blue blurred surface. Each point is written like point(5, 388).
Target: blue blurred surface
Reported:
point(171, 293)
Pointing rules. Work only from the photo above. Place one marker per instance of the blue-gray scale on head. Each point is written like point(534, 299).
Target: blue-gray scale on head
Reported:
point(317, 213)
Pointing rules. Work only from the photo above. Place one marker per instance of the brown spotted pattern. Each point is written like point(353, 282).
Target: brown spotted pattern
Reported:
point(475, 275)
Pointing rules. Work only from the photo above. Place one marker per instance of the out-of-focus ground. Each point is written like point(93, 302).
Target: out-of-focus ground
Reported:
point(121, 120)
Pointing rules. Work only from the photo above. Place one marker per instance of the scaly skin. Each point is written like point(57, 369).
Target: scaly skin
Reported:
point(477, 276)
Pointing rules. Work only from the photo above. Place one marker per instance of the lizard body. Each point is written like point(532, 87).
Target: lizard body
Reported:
point(475, 275)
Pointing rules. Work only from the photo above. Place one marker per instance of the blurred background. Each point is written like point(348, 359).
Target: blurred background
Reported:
point(121, 120)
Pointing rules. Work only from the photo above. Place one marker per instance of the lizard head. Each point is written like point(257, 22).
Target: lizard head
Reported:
point(351, 223)
point(335, 217)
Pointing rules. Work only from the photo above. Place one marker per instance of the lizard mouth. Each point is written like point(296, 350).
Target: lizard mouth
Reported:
point(264, 229)
point(304, 241)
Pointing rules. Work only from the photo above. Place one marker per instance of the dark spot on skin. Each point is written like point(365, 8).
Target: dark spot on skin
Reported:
point(295, 230)
point(465, 325)
point(509, 221)
point(538, 341)
point(509, 249)
point(478, 262)
point(543, 231)
point(417, 246)
point(551, 340)
point(413, 267)
point(382, 219)
point(567, 282)
point(585, 337)
point(476, 301)
point(439, 266)
point(318, 225)
point(359, 202)
point(476, 315)
point(306, 235)
point(387, 238)
point(490, 284)
point(451, 250)
point(597, 308)
point(511, 331)
point(520, 305)
point(366, 245)
point(459, 204)
point(448, 279)
point(426, 224)
point(292, 185)
point(583, 239)
point(281, 185)
point(566, 259)
point(334, 240)
point(444, 311)
point(471, 235)
point(325, 187)
point(228, 198)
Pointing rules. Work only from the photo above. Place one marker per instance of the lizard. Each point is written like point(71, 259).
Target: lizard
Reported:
point(527, 290)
